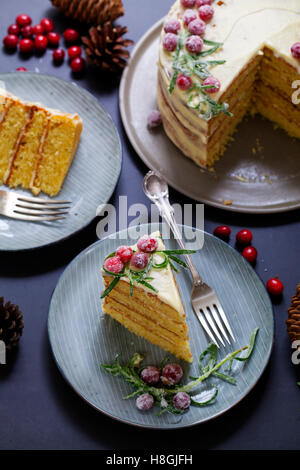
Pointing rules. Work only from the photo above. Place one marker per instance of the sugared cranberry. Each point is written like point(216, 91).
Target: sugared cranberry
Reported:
point(147, 244)
point(71, 36)
point(26, 46)
point(194, 44)
point(144, 402)
point(154, 119)
point(200, 3)
point(74, 51)
point(171, 374)
point(27, 31)
point(13, 29)
point(10, 41)
point(150, 375)
point(197, 27)
point(295, 49)
point(53, 38)
point(23, 20)
point(77, 65)
point(275, 286)
point(206, 12)
point(189, 15)
point(170, 42)
point(172, 26)
point(114, 264)
point(139, 261)
point(58, 55)
point(213, 83)
point(47, 25)
point(38, 29)
point(181, 400)
point(188, 3)
point(244, 237)
point(21, 69)
point(184, 82)
point(250, 254)
point(41, 43)
point(223, 232)
point(125, 253)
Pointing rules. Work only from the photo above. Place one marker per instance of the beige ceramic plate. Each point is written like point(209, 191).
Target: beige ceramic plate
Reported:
point(260, 171)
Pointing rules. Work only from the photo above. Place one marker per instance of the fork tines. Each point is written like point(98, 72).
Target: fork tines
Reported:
point(215, 323)
point(39, 209)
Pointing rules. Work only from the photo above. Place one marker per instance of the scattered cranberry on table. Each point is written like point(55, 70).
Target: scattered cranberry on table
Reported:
point(150, 375)
point(21, 69)
point(139, 261)
point(71, 36)
point(244, 237)
point(38, 29)
point(77, 65)
point(170, 42)
point(13, 29)
point(58, 56)
point(26, 46)
point(27, 31)
point(275, 287)
point(206, 12)
point(154, 119)
point(144, 402)
point(184, 82)
point(215, 85)
point(194, 44)
point(223, 232)
point(147, 244)
point(295, 49)
point(171, 374)
point(41, 43)
point(182, 400)
point(125, 253)
point(47, 25)
point(113, 264)
point(11, 41)
point(250, 254)
point(53, 38)
point(74, 51)
point(23, 20)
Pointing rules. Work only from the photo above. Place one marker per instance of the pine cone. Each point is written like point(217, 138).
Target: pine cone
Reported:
point(91, 11)
point(293, 321)
point(11, 324)
point(105, 47)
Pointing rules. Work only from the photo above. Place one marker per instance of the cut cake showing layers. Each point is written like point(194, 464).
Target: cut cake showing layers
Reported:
point(257, 75)
point(37, 145)
point(158, 317)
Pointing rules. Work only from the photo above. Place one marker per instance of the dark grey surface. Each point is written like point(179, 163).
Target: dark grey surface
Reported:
point(38, 410)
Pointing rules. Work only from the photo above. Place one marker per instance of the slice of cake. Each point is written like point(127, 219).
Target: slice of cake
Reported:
point(142, 294)
point(37, 145)
point(219, 60)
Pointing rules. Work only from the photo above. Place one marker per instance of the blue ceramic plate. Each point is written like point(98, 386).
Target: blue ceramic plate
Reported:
point(93, 174)
point(82, 337)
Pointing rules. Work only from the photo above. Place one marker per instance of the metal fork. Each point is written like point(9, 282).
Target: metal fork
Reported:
point(204, 299)
point(32, 209)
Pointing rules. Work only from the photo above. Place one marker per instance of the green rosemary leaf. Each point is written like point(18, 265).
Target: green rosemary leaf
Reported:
point(225, 377)
point(163, 264)
point(178, 261)
point(173, 266)
point(204, 398)
point(212, 43)
point(250, 348)
point(211, 352)
point(178, 252)
point(146, 284)
point(176, 57)
point(111, 286)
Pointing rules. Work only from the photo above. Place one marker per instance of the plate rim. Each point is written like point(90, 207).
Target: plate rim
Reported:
point(122, 106)
point(76, 232)
point(123, 420)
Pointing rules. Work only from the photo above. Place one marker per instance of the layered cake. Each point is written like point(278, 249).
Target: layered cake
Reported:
point(142, 294)
point(219, 60)
point(37, 145)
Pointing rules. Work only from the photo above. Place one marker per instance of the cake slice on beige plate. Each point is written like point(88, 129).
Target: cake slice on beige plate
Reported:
point(142, 294)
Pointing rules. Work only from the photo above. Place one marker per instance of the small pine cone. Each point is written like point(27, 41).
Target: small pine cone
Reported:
point(293, 321)
point(11, 324)
point(91, 11)
point(105, 47)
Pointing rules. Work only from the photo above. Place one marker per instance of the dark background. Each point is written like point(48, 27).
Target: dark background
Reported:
point(38, 410)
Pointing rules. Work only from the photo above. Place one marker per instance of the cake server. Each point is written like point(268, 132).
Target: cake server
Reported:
point(32, 209)
point(204, 299)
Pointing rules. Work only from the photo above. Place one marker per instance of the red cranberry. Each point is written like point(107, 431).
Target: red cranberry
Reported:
point(47, 25)
point(147, 244)
point(172, 26)
point(295, 49)
point(181, 400)
point(154, 119)
point(125, 253)
point(194, 44)
point(139, 261)
point(27, 31)
point(206, 12)
point(58, 55)
point(170, 42)
point(214, 83)
point(26, 46)
point(189, 15)
point(275, 286)
point(150, 375)
point(53, 38)
point(144, 402)
point(23, 20)
point(171, 374)
point(21, 69)
point(77, 65)
point(10, 41)
point(184, 82)
point(250, 254)
point(38, 29)
point(244, 237)
point(114, 264)
point(74, 51)
point(71, 36)
point(223, 232)
point(41, 43)
point(13, 29)
point(200, 3)
point(197, 27)
point(188, 3)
